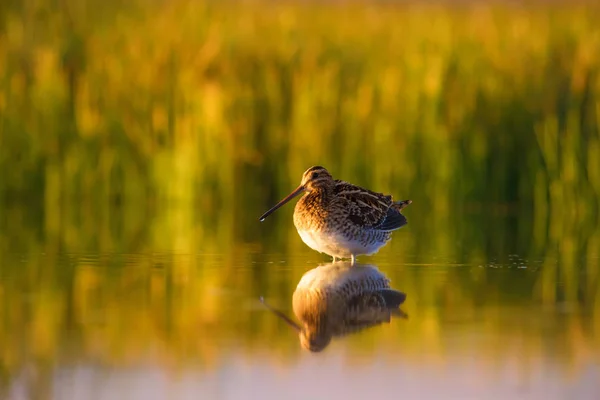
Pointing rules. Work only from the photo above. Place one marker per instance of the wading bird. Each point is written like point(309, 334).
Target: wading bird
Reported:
point(340, 219)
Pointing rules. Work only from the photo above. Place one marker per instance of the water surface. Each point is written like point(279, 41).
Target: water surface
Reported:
point(156, 324)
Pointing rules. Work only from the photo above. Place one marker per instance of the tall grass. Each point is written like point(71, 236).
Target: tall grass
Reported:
point(195, 99)
point(111, 111)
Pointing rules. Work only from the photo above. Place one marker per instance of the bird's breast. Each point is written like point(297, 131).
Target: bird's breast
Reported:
point(312, 213)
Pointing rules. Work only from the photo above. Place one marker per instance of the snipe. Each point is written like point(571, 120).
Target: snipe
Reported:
point(338, 299)
point(340, 219)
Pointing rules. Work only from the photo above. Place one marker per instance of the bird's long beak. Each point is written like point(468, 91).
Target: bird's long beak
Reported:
point(281, 315)
point(287, 198)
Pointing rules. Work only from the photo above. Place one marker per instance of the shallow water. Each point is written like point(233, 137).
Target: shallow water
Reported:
point(179, 325)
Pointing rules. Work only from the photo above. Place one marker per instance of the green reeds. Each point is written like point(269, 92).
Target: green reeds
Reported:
point(197, 100)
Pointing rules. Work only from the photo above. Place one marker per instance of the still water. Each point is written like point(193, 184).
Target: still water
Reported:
point(480, 321)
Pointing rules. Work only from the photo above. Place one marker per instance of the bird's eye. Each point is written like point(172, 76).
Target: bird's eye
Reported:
point(315, 175)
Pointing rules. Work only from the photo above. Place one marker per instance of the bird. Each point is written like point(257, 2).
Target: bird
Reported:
point(338, 299)
point(341, 219)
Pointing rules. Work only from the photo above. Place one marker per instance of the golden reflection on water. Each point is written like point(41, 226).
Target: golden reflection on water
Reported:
point(200, 314)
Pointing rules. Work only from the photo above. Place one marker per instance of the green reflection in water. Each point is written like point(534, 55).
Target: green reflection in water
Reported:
point(190, 307)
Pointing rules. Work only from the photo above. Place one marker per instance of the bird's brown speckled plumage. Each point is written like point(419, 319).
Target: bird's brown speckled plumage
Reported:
point(338, 299)
point(341, 219)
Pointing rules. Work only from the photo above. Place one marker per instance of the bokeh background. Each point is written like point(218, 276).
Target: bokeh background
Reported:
point(140, 140)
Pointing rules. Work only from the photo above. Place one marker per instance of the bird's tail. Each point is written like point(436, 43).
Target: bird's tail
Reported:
point(392, 298)
point(399, 205)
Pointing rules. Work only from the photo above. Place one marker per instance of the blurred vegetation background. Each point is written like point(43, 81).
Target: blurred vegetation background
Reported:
point(109, 106)
point(169, 126)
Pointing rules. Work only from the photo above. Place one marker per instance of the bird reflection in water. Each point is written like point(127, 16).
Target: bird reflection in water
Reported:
point(338, 299)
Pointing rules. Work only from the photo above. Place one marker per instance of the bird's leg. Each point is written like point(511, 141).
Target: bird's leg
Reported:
point(353, 259)
point(334, 259)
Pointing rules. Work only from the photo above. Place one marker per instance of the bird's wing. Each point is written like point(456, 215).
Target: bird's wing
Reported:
point(367, 208)
point(393, 220)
